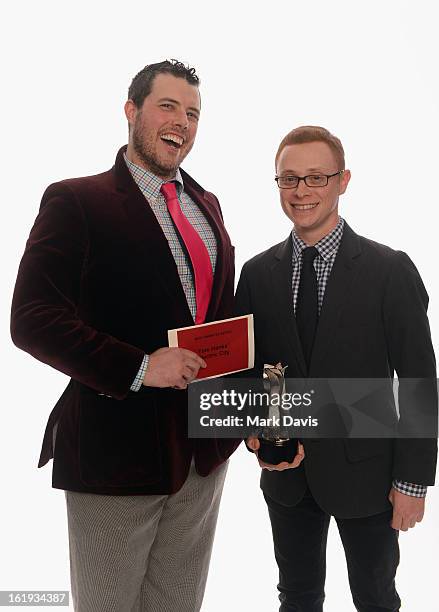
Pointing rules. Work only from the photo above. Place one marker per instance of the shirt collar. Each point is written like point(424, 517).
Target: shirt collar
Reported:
point(150, 183)
point(326, 246)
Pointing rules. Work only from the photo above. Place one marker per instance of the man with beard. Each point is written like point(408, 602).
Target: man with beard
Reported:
point(112, 262)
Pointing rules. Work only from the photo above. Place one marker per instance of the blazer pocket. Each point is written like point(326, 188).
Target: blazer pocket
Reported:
point(119, 442)
point(360, 449)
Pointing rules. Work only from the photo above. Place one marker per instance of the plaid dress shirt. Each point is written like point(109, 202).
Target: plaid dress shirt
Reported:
point(150, 184)
point(327, 248)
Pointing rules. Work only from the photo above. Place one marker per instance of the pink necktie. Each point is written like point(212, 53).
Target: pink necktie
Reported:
point(197, 252)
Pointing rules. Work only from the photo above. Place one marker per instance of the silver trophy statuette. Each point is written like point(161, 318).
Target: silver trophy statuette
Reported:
point(275, 445)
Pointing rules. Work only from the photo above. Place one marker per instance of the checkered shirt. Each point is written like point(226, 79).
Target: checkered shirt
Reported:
point(150, 184)
point(327, 248)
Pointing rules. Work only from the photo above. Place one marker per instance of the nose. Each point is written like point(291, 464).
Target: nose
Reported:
point(181, 119)
point(302, 188)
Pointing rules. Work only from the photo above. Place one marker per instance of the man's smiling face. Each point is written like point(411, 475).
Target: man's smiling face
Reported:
point(163, 130)
point(313, 210)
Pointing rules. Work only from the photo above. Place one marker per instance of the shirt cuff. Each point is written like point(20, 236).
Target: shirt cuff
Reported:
point(409, 488)
point(137, 383)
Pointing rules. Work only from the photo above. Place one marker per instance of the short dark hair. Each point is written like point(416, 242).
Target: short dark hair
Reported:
point(313, 133)
point(141, 85)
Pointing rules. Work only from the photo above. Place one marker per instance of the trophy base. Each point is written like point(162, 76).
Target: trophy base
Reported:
point(277, 451)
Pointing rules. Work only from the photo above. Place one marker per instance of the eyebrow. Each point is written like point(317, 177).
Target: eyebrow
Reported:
point(309, 171)
point(192, 108)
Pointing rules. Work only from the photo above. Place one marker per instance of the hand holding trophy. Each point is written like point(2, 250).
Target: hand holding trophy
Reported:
point(275, 450)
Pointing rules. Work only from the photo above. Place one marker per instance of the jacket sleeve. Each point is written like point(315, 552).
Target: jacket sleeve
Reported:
point(45, 320)
point(411, 355)
point(243, 306)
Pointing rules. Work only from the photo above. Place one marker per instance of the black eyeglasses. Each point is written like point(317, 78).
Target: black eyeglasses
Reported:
point(312, 180)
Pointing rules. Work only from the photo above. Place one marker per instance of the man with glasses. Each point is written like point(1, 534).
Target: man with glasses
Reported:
point(329, 303)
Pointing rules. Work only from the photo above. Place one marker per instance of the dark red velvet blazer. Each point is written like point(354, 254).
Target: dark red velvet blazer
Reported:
point(98, 287)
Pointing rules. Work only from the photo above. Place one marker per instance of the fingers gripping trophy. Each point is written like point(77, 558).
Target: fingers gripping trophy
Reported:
point(275, 444)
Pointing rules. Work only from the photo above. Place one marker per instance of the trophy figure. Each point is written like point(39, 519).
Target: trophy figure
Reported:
point(275, 445)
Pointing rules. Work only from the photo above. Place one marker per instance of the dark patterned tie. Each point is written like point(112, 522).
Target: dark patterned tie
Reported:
point(307, 307)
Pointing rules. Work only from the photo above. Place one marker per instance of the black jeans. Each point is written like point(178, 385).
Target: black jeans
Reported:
point(371, 549)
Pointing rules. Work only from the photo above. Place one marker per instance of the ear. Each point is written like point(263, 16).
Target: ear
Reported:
point(344, 181)
point(130, 111)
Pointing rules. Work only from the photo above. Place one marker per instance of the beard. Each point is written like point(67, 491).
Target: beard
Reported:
point(144, 146)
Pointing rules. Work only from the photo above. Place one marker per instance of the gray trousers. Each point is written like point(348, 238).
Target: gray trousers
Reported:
point(143, 553)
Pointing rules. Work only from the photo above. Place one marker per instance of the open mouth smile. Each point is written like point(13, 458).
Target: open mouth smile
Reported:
point(305, 206)
point(172, 140)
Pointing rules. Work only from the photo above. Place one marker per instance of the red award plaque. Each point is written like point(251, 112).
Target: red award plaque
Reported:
point(226, 346)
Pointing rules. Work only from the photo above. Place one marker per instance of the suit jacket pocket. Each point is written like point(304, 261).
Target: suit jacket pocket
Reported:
point(360, 449)
point(118, 440)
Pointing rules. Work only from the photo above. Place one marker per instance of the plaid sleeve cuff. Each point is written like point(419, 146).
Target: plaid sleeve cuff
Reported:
point(140, 374)
point(408, 488)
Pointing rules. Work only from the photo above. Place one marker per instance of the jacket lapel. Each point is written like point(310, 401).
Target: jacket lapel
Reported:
point(337, 291)
point(281, 279)
point(210, 209)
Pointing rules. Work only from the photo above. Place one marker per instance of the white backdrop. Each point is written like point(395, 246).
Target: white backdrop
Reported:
point(366, 71)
